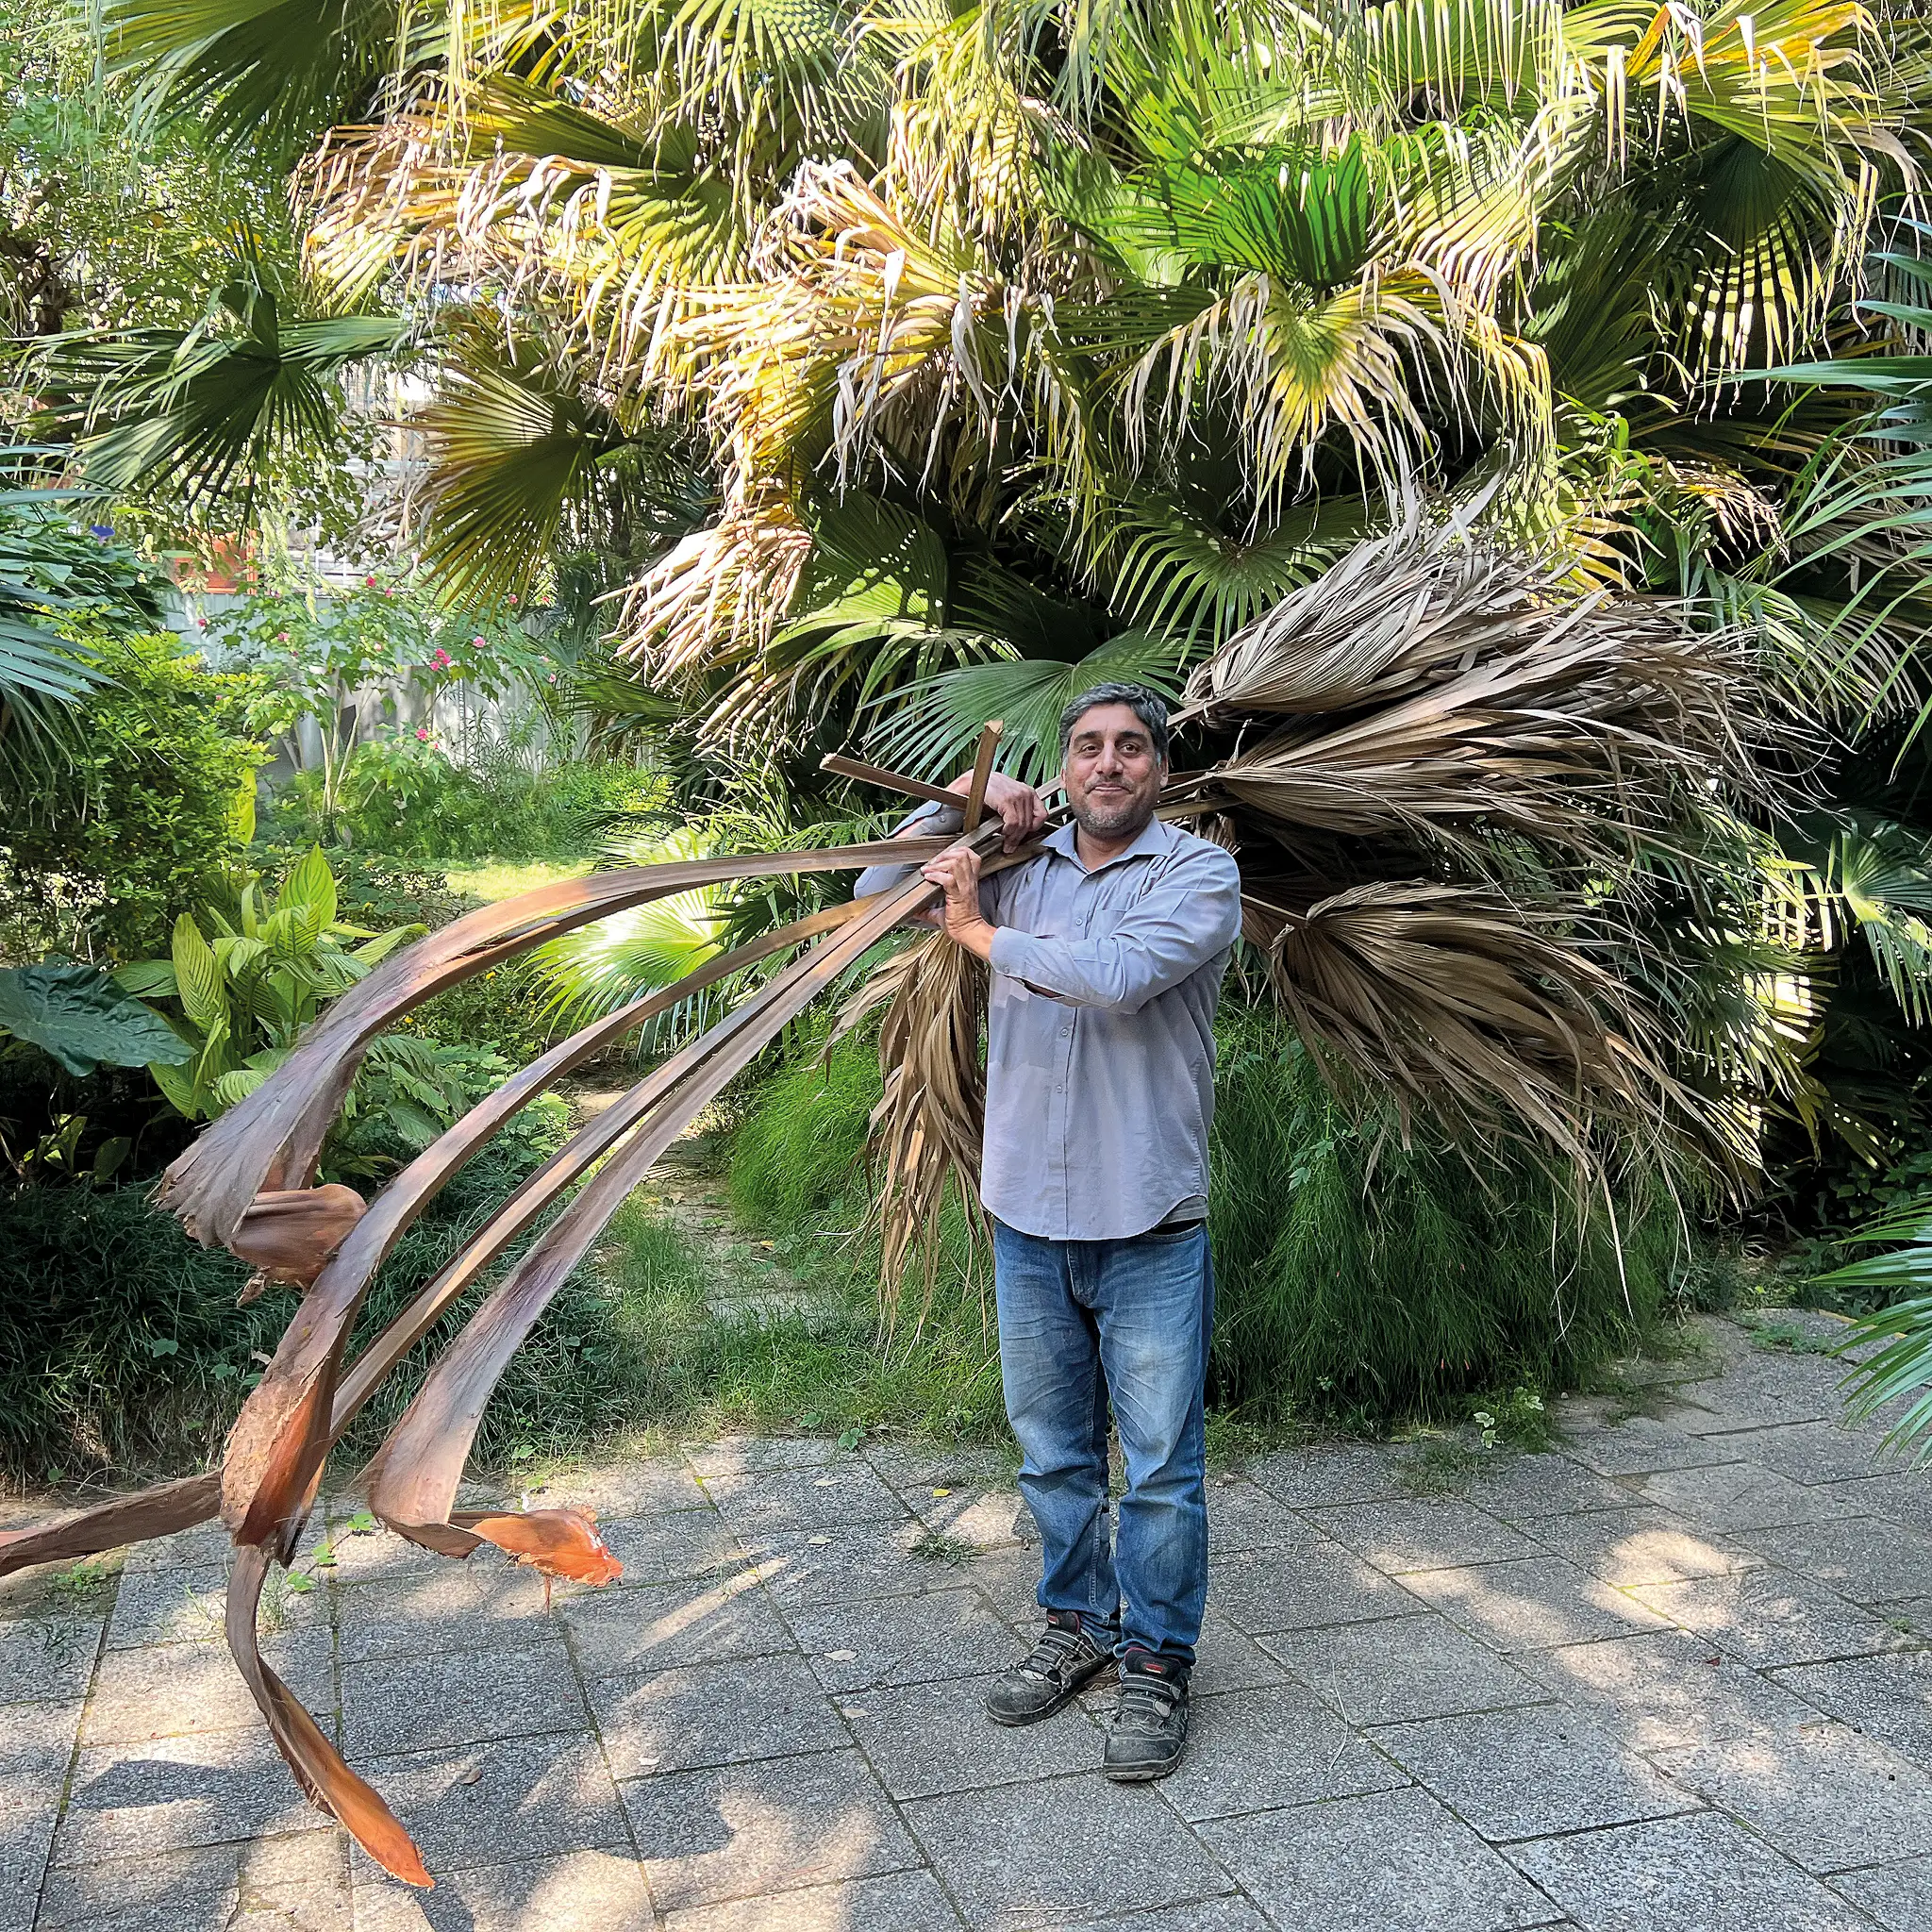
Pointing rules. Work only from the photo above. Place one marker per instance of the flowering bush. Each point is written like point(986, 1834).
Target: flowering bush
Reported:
point(329, 649)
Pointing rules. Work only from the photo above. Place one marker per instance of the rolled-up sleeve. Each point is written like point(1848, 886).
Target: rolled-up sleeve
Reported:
point(929, 819)
point(1173, 930)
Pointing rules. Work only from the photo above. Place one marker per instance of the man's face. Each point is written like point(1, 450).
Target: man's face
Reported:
point(1112, 774)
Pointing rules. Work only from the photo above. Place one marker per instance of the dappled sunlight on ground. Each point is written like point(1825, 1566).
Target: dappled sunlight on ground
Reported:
point(1644, 1679)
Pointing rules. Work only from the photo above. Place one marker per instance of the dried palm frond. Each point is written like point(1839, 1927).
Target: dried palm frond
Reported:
point(1467, 1008)
point(927, 1125)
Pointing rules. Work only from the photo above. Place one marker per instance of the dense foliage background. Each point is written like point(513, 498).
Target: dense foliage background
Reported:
point(456, 448)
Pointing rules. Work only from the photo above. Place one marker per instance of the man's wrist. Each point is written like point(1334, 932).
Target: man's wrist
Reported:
point(977, 936)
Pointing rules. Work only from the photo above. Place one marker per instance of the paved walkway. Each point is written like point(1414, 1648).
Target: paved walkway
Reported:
point(1674, 1677)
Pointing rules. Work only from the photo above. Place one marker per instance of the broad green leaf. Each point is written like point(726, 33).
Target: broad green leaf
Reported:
point(177, 1087)
point(383, 944)
point(309, 891)
point(147, 978)
point(198, 977)
point(237, 1084)
point(82, 1017)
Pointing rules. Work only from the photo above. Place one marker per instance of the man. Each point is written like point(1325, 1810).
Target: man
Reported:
point(1108, 951)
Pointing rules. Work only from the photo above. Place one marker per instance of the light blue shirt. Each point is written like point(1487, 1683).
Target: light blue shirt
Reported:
point(1100, 1044)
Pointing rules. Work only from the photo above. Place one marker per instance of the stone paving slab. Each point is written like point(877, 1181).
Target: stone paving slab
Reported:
point(1673, 1673)
point(1628, 1547)
point(46, 1659)
point(302, 1877)
point(1826, 1796)
point(1117, 1848)
point(1667, 1688)
point(1897, 1895)
point(1890, 1697)
point(465, 1805)
point(1769, 1617)
point(700, 1716)
point(776, 1826)
point(1392, 1861)
point(1703, 1873)
point(1537, 1603)
point(1399, 1669)
point(168, 1794)
point(1530, 1774)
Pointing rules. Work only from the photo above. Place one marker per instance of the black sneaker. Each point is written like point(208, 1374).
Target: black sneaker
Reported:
point(1065, 1657)
point(1149, 1730)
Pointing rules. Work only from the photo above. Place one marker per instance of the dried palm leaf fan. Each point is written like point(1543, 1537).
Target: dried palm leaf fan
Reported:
point(926, 1129)
point(1430, 763)
point(1363, 785)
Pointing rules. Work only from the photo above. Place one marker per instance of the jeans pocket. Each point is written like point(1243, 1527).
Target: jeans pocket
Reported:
point(1172, 1236)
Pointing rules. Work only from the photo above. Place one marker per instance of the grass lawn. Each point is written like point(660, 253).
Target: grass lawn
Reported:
point(493, 879)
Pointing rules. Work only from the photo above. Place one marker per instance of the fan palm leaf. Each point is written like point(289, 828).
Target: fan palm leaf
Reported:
point(208, 406)
point(937, 720)
point(512, 445)
point(282, 68)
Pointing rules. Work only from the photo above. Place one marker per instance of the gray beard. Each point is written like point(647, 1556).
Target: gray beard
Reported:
point(1127, 819)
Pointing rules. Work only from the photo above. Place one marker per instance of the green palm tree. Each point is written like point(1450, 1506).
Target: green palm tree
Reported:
point(1020, 342)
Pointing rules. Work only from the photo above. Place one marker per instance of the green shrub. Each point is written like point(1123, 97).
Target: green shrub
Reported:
point(121, 1348)
point(1355, 1279)
point(409, 801)
point(379, 892)
point(505, 1008)
point(1365, 1281)
point(799, 1154)
point(144, 818)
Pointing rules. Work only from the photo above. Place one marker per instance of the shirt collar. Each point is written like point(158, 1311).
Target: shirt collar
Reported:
point(1157, 837)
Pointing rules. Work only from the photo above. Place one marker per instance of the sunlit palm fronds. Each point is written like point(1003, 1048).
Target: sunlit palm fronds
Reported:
point(287, 69)
point(513, 446)
point(935, 722)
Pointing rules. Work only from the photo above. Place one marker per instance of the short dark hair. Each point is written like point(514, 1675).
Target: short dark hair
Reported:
point(1147, 705)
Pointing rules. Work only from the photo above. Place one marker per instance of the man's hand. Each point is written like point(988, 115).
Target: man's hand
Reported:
point(1022, 810)
point(957, 873)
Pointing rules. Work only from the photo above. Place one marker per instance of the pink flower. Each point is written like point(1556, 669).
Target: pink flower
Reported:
point(476, 643)
point(388, 591)
point(512, 600)
point(369, 583)
point(442, 661)
point(423, 733)
point(281, 636)
point(201, 624)
point(553, 677)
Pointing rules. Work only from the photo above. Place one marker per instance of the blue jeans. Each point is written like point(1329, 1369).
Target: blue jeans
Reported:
point(1079, 1320)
